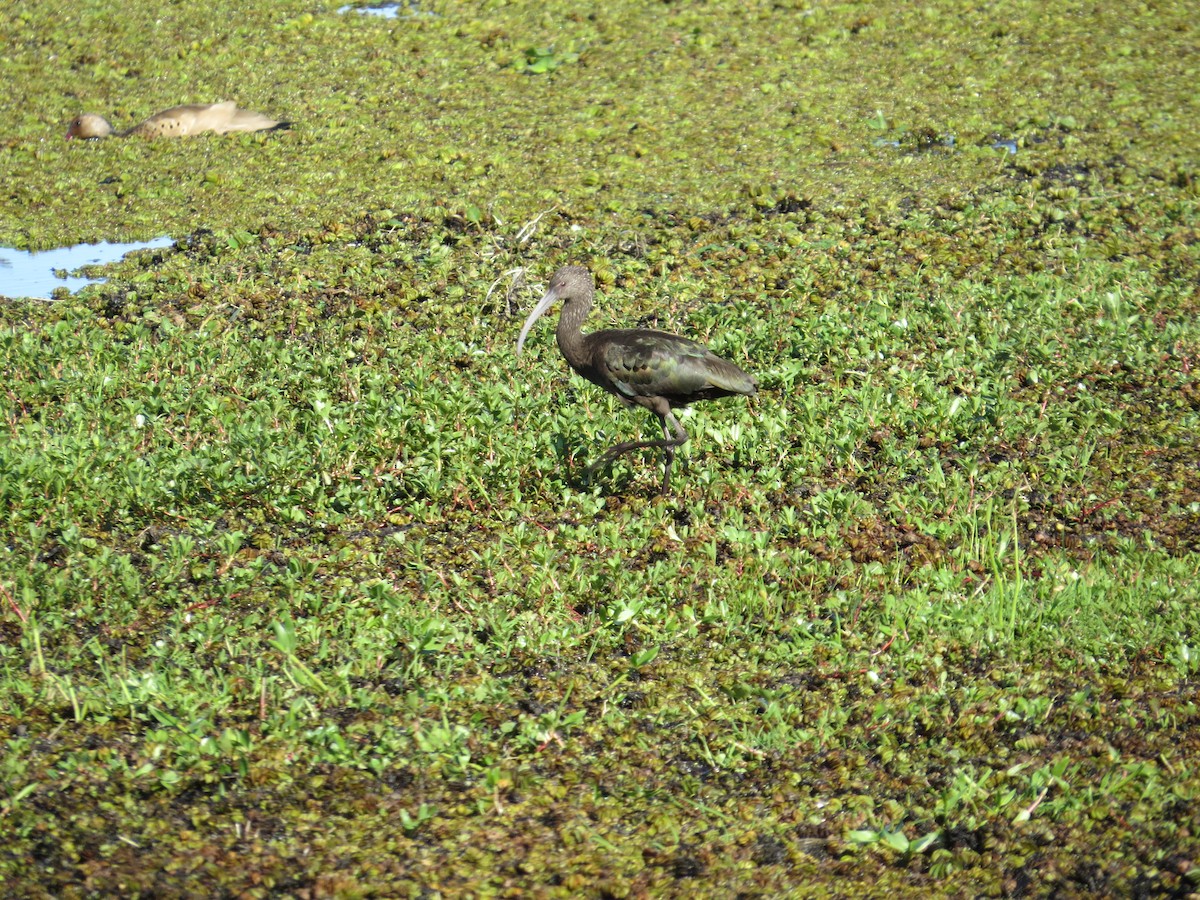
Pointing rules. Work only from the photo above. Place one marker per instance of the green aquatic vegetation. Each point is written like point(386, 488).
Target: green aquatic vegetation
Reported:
point(301, 588)
point(540, 60)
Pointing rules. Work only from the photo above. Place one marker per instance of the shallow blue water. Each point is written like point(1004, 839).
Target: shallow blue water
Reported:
point(24, 274)
point(402, 9)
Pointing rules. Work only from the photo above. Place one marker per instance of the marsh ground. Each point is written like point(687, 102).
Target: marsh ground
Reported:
point(303, 592)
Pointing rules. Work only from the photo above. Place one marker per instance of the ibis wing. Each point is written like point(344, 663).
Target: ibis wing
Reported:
point(657, 364)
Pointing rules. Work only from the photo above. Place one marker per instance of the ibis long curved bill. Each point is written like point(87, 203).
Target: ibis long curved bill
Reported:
point(538, 311)
point(651, 369)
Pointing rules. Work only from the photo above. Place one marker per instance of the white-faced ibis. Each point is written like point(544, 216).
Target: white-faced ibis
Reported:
point(179, 121)
point(653, 369)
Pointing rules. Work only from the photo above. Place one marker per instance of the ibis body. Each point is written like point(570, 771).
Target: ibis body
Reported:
point(653, 369)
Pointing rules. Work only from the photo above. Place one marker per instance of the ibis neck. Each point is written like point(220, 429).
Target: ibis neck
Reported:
point(570, 331)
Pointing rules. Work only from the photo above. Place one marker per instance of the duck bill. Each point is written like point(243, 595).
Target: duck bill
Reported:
point(544, 304)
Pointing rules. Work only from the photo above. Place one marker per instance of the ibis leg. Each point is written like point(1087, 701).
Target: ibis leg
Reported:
point(668, 445)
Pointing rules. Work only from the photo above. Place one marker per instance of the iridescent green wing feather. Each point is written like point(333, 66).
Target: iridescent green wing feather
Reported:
point(657, 364)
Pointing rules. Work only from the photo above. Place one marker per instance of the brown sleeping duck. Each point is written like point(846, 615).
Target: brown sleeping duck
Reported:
point(179, 121)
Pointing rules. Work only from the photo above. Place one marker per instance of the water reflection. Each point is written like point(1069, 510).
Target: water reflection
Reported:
point(24, 274)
